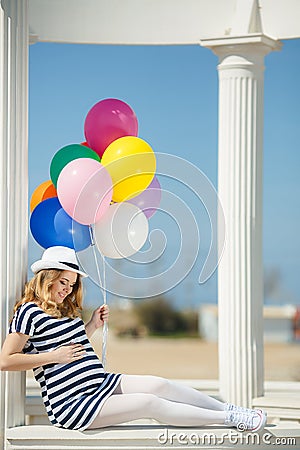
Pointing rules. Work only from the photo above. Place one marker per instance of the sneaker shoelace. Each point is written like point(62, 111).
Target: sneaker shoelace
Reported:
point(232, 407)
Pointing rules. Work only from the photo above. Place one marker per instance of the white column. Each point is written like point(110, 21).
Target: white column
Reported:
point(240, 273)
point(13, 194)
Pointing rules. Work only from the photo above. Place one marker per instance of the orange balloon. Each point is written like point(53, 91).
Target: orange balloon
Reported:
point(42, 192)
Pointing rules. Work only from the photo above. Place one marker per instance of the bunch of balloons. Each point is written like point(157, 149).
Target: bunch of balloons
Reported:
point(105, 187)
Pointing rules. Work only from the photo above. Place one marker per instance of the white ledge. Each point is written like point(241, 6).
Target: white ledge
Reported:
point(149, 437)
point(251, 38)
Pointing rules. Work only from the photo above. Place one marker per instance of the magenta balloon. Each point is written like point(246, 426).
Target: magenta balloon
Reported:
point(149, 200)
point(107, 121)
point(84, 189)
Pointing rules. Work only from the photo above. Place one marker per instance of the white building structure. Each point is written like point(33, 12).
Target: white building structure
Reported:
point(241, 33)
point(278, 322)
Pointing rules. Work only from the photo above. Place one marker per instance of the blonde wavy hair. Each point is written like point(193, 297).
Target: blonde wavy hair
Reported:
point(38, 290)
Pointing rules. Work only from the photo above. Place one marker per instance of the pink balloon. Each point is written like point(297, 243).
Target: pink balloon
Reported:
point(107, 121)
point(149, 200)
point(84, 189)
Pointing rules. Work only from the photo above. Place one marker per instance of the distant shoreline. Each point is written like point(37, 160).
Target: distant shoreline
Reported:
point(189, 358)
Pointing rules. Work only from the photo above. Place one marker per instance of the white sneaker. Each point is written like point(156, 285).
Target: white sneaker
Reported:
point(252, 420)
point(232, 407)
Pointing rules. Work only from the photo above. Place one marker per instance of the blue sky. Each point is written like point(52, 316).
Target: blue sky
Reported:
point(173, 91)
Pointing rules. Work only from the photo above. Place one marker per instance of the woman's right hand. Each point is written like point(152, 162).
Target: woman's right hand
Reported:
point(69, 353)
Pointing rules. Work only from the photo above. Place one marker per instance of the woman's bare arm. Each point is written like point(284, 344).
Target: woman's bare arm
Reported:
point(99, 316)
point(12, 357)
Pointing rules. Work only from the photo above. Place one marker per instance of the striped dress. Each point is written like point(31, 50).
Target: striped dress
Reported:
point(73, 393)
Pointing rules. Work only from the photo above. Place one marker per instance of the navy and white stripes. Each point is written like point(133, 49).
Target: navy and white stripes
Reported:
point(73, 393)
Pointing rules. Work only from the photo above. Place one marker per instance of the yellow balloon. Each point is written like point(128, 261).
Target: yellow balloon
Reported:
point(131, 164)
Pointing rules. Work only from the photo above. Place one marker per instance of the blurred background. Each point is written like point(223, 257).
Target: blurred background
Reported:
point(173, 91)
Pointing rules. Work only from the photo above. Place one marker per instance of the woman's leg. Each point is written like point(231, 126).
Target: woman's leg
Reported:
point(147, 397)
point(168, 390)
point(120, 408)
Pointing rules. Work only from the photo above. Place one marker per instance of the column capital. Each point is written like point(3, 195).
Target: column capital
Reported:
point(257, 43)
point(33, 38)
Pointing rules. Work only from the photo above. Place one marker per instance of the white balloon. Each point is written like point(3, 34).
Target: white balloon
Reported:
point(121, 231)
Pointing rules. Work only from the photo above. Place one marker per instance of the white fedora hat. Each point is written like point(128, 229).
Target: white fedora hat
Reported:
point(58, 257)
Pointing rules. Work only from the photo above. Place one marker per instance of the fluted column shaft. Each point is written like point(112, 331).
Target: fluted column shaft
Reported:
point(13, 193)
point(240, 273)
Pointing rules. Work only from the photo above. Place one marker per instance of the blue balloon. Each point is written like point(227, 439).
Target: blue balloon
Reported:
point(50, 225)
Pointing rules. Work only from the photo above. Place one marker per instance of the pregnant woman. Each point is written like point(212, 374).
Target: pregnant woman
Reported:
point(47, 334)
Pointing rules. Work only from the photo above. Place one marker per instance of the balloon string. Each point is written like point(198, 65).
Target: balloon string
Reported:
point(105, 325)
point(102, 286)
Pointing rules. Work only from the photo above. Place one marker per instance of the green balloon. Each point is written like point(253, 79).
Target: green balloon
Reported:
point(67, 154)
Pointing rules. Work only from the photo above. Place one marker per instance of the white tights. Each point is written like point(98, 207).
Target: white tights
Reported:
point(151, 397)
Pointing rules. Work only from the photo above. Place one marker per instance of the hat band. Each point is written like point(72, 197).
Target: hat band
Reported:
point(73, 266)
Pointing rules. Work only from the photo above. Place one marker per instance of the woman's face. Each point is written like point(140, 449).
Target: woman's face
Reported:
point(63, 286)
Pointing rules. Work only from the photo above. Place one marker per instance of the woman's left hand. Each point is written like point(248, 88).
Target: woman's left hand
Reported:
point(100, 315)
